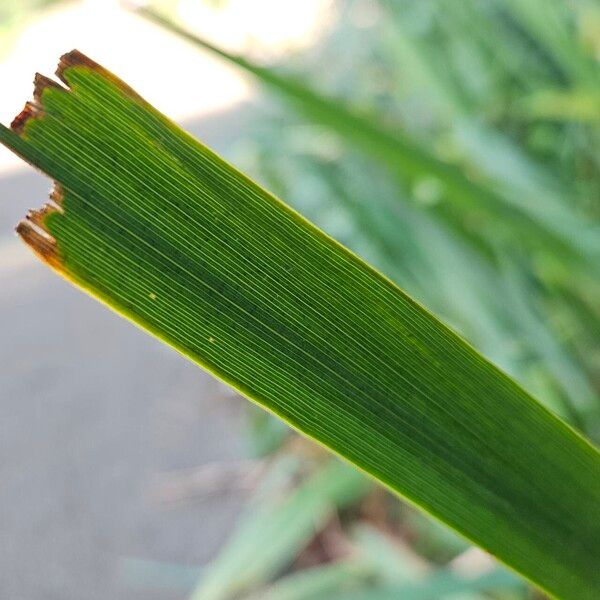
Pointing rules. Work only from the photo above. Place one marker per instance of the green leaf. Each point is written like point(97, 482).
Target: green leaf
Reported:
point(169, 235)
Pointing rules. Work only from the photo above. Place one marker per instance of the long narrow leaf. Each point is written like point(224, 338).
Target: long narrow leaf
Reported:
point(165, 232)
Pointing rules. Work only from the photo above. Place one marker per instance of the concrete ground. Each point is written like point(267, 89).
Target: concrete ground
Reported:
point(92, 410)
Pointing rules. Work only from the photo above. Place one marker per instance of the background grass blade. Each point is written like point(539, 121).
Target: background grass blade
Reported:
point(168, 234)
point(549, 224)
point(267, 539)
point(315, 583)
point(436, 587)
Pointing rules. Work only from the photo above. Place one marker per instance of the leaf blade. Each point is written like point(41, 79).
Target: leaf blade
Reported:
point(169, 235)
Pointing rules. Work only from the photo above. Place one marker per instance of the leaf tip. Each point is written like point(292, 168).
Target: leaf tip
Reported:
point(57, 195)
point(31, 110)
point(39, 241)
point(74, 58)
point(41, 83)
point(33, 230)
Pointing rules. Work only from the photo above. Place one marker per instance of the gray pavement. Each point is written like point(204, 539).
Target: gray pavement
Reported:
point(91, 411)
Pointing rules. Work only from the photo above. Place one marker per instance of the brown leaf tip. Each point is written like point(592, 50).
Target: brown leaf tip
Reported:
point(40, 242)
point(75, 58)
point(31, 110)
point(57, 195)
point(40, 83)
point(38, 216)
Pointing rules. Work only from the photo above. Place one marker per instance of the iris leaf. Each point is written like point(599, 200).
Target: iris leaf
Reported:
point(165, 232)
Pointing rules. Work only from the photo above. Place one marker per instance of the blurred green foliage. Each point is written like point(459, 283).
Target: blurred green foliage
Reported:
point(14, 14)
